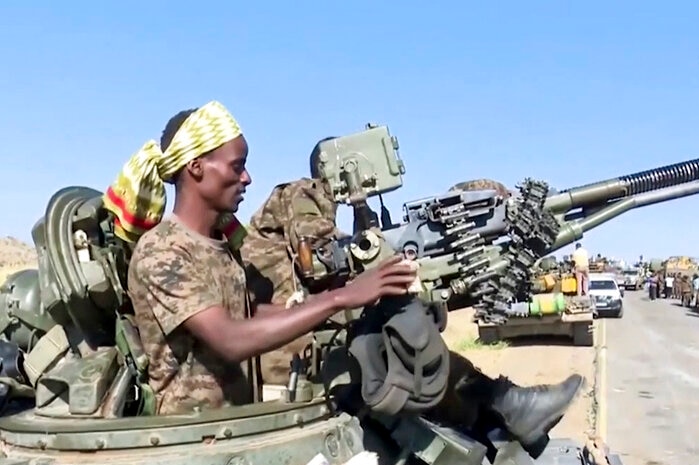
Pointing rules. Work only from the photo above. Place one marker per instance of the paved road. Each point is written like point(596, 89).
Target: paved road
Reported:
point(653, 383)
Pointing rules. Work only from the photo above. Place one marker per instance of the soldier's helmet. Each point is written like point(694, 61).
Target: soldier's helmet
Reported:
point(315, 154)
point(482, 184)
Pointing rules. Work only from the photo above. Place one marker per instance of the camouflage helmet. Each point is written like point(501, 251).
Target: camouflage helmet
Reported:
point(482, 184)
point(314, 162)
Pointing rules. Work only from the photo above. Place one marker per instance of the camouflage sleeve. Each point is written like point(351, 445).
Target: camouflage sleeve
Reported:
point(311, 214)
point(175, 285)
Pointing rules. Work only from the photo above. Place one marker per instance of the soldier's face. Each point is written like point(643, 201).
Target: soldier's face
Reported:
point(224, 177)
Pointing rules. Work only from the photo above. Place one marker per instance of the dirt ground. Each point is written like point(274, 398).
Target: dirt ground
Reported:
point(545, 362)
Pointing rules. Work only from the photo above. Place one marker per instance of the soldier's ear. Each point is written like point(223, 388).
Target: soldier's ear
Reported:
point(195, 169)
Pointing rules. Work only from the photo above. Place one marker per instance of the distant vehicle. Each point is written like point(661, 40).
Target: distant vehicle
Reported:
point(620, 279)
point(606, 294)
point(632, 278)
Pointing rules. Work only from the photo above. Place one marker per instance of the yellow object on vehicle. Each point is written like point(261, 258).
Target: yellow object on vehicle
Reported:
point(569, 285)
point(549, 282)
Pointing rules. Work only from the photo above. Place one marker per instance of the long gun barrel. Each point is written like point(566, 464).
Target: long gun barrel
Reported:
point(624, 186)
point(574, 228)
point(599, 202)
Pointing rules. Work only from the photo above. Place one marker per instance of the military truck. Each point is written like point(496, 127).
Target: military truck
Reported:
point(633, 278)
point(680, 266)
point(75, 372)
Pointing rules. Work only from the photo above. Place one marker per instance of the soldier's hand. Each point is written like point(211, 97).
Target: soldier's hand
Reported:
point(391, 277)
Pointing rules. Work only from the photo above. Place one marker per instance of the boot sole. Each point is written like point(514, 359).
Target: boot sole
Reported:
point(536, 441)
point(538, 447)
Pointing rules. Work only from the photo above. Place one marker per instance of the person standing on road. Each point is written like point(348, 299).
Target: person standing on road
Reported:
point(669, 285)
point(685, 290)
point(695, 287)
point(653, 286)
point(677, 286)
point(581, 261)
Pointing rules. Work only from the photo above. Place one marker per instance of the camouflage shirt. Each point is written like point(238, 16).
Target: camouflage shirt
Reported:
point(293, 210)
point(173, 274)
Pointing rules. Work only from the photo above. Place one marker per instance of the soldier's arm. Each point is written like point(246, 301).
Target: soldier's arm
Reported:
point(272, 327)
point(275, 326)
point(180, 295)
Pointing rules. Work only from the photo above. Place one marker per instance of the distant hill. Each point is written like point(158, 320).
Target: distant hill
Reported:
point(15, 255)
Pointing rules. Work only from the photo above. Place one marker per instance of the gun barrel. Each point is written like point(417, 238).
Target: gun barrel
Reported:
point(624, 186)
point(574, 230)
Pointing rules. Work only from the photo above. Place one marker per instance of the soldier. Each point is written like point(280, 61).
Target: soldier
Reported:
point(685, 291)
point(185, 278)
point(293, 210)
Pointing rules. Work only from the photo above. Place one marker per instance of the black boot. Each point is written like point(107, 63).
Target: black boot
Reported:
point(527, 413)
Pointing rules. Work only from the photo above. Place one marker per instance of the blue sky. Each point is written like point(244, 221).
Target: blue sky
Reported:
point(568, 93)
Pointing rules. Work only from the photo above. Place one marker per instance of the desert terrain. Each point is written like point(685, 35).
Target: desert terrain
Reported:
point(15, 255)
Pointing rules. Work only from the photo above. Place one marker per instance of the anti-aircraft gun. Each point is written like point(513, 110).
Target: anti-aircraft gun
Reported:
point(74, 374)
point(476, 247)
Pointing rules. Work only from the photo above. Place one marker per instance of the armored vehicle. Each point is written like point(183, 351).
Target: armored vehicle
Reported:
point(554, 308)
point(74, 372)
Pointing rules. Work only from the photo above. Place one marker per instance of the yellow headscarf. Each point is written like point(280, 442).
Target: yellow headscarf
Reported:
point(137, 197)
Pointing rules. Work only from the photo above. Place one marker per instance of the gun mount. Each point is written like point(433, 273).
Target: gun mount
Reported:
point(476, 246)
